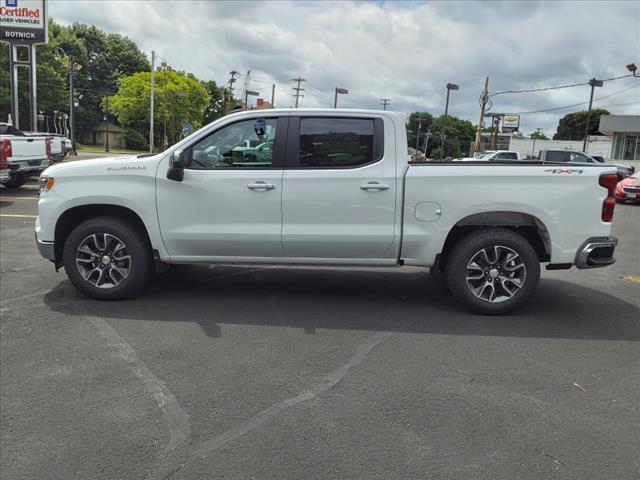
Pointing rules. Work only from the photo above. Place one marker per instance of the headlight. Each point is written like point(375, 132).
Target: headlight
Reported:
point(46, 184)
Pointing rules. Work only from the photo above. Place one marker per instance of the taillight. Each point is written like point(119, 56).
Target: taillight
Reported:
point(608, 181)
point(5, 152)
point(47, 142)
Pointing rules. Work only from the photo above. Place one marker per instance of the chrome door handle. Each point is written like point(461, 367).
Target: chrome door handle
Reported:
point(261, 186)
point(374, 186)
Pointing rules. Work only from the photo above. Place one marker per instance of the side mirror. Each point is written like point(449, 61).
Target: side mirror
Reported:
point(176, 166)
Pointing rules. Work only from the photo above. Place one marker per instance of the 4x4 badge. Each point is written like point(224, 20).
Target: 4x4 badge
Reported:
point(565, 170)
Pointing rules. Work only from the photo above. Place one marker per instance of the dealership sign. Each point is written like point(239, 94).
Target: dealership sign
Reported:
point(23, 22)
point(510, 123)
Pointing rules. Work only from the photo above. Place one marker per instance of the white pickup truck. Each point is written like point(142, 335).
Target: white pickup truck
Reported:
point(335, 189)
point(25, 155)
point(492, 156)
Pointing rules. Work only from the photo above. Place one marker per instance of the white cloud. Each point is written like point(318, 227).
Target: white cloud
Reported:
point(405, 51)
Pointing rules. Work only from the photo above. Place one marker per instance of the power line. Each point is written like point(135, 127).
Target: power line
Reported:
point(544, 89)
point(575, 104)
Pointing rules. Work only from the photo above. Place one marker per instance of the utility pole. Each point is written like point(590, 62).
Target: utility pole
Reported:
point(297, 95)
point(273, 96)
point(106, 125)
point(418, 134)
point(483, 103)
point(594, 83)
point(495, 125)
point(72, 117)
point(153, 68)
point(246, 89)
point(426, 142)
point(450, 86)
point(535, 136)
point(384, 102)
point(233, 76)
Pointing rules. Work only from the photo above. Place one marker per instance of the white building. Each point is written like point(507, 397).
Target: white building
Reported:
point(528, 148)
point(625, 132)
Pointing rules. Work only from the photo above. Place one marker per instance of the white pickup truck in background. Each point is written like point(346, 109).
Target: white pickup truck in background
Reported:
point(492, 156)
point(57, 149)
point(25, 155)
point(334, 188)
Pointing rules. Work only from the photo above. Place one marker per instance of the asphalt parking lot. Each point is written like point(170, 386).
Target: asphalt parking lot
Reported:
point(254, 372)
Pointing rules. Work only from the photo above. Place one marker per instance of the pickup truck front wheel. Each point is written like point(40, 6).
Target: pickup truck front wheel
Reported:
point(493, 271)
point(107, 258)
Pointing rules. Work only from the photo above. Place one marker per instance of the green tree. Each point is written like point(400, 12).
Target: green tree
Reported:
point(217, 101)
point(459, 135)
point(572, 125)
point(102, 59)
point(178, 98)
point(538, 135)
point(418, 121)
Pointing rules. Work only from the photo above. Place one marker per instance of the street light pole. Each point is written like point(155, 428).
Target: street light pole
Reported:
point(450, 86)
point(594, 83)
point(341, 91)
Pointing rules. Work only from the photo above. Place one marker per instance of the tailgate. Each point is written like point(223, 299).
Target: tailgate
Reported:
point(25, 148)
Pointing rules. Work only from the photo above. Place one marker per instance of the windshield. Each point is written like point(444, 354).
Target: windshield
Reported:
point(482, 156)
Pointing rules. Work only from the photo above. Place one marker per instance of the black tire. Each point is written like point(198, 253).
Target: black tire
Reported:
point(15, 181)
point(140, 264)
point(505, 301)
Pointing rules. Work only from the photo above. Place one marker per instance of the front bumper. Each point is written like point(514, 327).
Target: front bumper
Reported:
point(596, 252)
point(46, 249)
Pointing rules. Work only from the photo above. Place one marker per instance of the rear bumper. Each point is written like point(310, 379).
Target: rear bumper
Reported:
point(596, 252)
point(28, 166)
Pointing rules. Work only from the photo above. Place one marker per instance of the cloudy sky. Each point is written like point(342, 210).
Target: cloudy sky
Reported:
point(405, 51)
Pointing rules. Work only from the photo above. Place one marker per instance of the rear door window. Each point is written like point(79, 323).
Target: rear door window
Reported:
point(339, 142)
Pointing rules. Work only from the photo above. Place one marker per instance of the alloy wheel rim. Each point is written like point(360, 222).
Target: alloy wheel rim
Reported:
point(103, 260)
point(496, 274)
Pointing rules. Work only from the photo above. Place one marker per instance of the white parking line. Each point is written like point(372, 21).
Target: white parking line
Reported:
point(10, 215)
point(19, 198)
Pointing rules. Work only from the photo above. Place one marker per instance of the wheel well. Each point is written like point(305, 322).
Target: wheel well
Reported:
point(76, 215)
point(528, 226)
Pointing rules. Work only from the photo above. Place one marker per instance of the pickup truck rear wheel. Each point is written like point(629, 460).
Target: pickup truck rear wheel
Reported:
point(493, 271)
point(16, 181)
point(107, 258)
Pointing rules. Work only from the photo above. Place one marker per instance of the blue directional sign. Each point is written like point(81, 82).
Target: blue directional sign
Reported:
point(186, 129)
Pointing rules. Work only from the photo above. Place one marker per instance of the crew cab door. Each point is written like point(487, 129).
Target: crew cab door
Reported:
point(339, 197)
point(229, 201)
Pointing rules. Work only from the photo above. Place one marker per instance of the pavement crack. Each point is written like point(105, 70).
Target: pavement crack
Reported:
point(174, 417)
point(329, 382)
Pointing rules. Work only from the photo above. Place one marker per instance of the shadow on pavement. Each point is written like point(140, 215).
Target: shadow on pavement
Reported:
point(312, 299)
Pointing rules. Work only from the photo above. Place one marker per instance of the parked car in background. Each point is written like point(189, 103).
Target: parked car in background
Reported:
point(623, 170)
point(628, 189)
point(337, 190)
point(58, 151)
point(570, 156)
point(66, 144)
point(25, 155)
point(4, 165)
point(254, 155)
point(492, 156)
